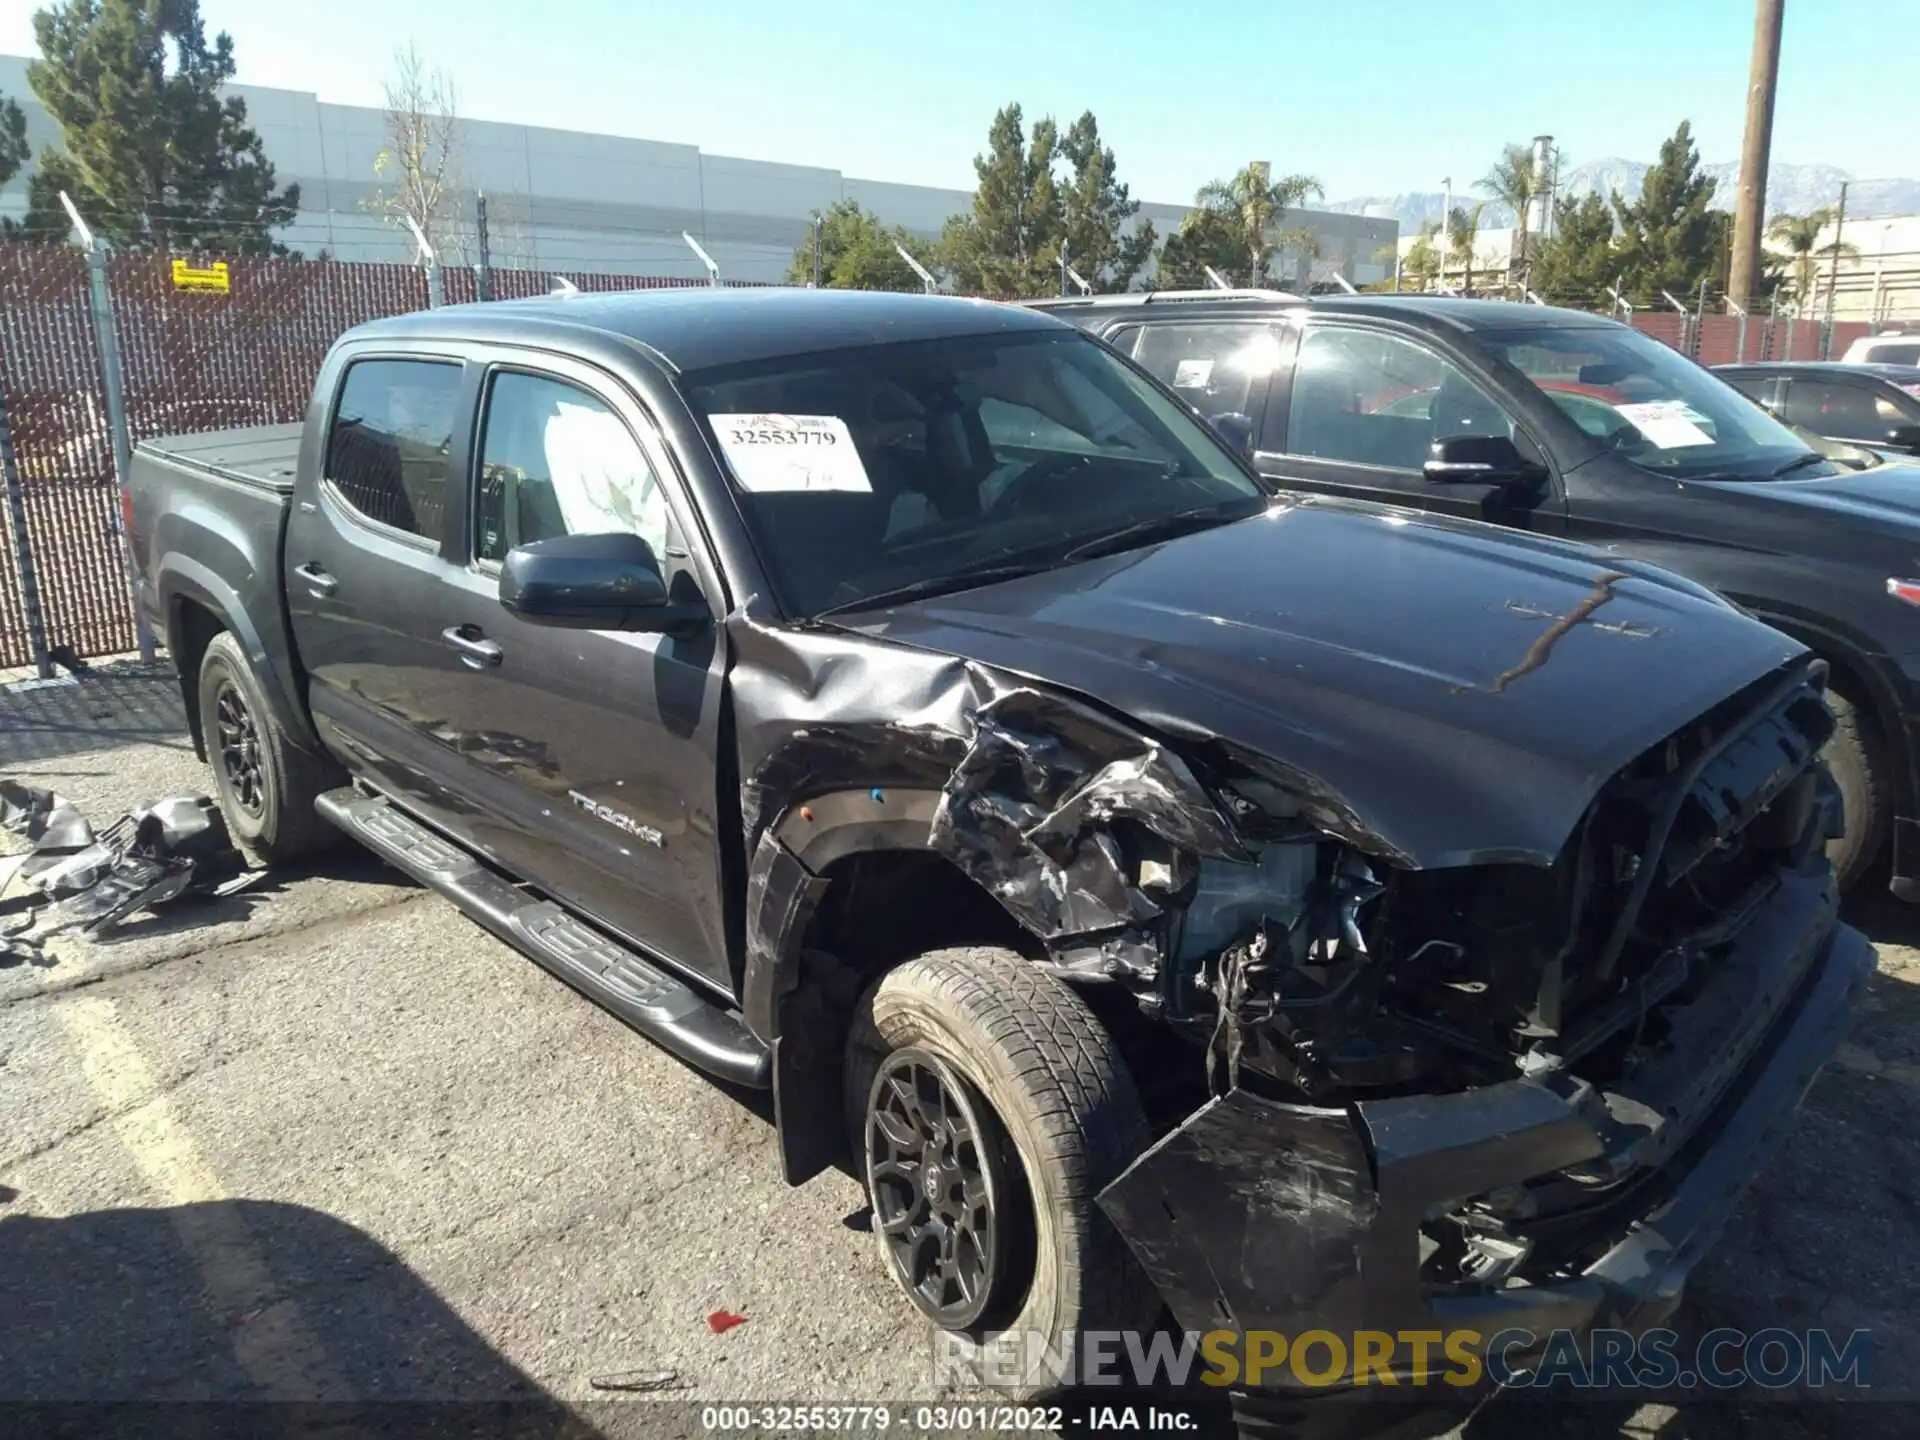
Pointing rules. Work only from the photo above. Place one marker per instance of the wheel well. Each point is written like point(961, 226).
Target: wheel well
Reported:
point(880, 908)
point(193, 630)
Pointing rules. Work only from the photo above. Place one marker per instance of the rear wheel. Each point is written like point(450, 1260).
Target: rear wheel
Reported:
point(988, 1108)
point(1856, 756)
point(266, 785)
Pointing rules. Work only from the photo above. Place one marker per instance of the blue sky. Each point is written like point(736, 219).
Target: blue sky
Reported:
point(1371, 96)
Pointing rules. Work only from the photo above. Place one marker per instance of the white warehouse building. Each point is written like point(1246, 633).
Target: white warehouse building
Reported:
point(567, 200)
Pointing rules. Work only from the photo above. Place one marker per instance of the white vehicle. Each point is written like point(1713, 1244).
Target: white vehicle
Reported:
point(1899, 347)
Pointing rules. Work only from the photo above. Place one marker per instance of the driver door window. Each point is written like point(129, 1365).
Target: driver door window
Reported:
point(554, 460)
point(1839, 408)
point(1363, 407)
point(1373, 399)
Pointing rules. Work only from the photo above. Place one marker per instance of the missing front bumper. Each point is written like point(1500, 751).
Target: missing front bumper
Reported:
point(1256, 1215)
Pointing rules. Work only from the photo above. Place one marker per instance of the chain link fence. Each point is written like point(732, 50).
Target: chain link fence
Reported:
point(204, 353)
point(192, 357)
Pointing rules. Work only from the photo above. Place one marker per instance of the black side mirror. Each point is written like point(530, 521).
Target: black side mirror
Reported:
point(1481, 460)
point(1236, 429)
point(1904, 437)
point(594, 582)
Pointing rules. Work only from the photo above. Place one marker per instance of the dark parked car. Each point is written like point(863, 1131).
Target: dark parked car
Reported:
point(1564, 423)
point(1157, 889)
point(1873, 405)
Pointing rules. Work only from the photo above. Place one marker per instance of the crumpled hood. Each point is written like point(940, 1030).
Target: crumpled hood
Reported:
point(1462, 692)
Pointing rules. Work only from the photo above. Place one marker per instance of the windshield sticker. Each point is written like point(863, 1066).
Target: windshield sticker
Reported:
point(1192, 374)
point(1669, 424)
point(771, 454)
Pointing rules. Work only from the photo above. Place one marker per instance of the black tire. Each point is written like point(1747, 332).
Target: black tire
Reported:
point(1857, 760)
point(269, 810)
point(1065, 1107)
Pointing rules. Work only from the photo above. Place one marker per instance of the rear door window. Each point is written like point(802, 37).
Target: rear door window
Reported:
point(1219, 368)
point(392, 434)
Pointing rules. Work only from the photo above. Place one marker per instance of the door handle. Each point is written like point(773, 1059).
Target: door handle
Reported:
point(319, 583)
point(476, 652)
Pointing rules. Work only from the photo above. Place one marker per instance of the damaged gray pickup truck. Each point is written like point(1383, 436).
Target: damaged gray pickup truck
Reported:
point(1168, 895)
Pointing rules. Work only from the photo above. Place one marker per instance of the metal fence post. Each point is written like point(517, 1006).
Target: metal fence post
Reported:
point(23, 547)
point(482, 272)
point(107, 338)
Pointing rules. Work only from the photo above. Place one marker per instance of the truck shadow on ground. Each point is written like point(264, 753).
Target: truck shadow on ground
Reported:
point(240, 1317)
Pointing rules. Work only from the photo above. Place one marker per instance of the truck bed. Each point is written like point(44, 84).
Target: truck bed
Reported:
point(261, 455)
point(209, 514)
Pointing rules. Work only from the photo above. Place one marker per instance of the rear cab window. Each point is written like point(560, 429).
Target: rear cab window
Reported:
point(390, 441)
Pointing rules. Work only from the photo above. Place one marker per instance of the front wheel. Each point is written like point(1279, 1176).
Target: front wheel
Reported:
point(1857, 759)
point(266, 785)
point(988, 1108)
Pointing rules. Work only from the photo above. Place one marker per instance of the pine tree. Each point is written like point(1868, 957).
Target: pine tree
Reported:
point(1097, 209)
point(1010, 244)
point(13, 138)
point(154, 157)
point(1669, 236)
point(856, 253)
point(1575, 264)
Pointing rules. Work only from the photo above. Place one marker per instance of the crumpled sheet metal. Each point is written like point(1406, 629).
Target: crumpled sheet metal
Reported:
point(92, 881)
point(1031, 781)
point(1029, 813)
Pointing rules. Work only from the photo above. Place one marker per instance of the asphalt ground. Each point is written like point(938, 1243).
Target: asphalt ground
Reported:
point(326, 1141)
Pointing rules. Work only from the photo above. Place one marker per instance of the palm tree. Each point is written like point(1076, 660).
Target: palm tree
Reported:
point(1463, 229)
point(1515, 180)
point(1423, 256)
point(1253, 203)
point(1799, 236)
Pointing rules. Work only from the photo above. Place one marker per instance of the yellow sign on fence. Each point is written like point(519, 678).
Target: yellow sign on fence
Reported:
point(213, 277)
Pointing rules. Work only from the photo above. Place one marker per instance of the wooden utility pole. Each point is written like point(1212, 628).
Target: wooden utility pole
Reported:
point(1750, 209)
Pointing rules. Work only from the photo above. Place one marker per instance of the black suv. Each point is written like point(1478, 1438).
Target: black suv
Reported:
point(1571, 424)
point(1873, 405)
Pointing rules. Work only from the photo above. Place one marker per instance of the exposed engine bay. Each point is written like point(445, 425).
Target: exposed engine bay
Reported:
point(1260, 920)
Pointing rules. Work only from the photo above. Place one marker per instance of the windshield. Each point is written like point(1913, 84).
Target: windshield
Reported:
point(1650, 404)
point(865, 471)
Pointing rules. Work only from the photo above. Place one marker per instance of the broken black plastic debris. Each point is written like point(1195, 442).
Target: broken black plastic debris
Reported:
point(94, 881)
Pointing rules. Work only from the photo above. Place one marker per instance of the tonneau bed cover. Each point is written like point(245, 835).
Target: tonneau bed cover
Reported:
point(260, 455)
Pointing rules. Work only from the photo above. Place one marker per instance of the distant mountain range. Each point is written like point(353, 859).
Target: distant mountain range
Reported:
point(1791, 190)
